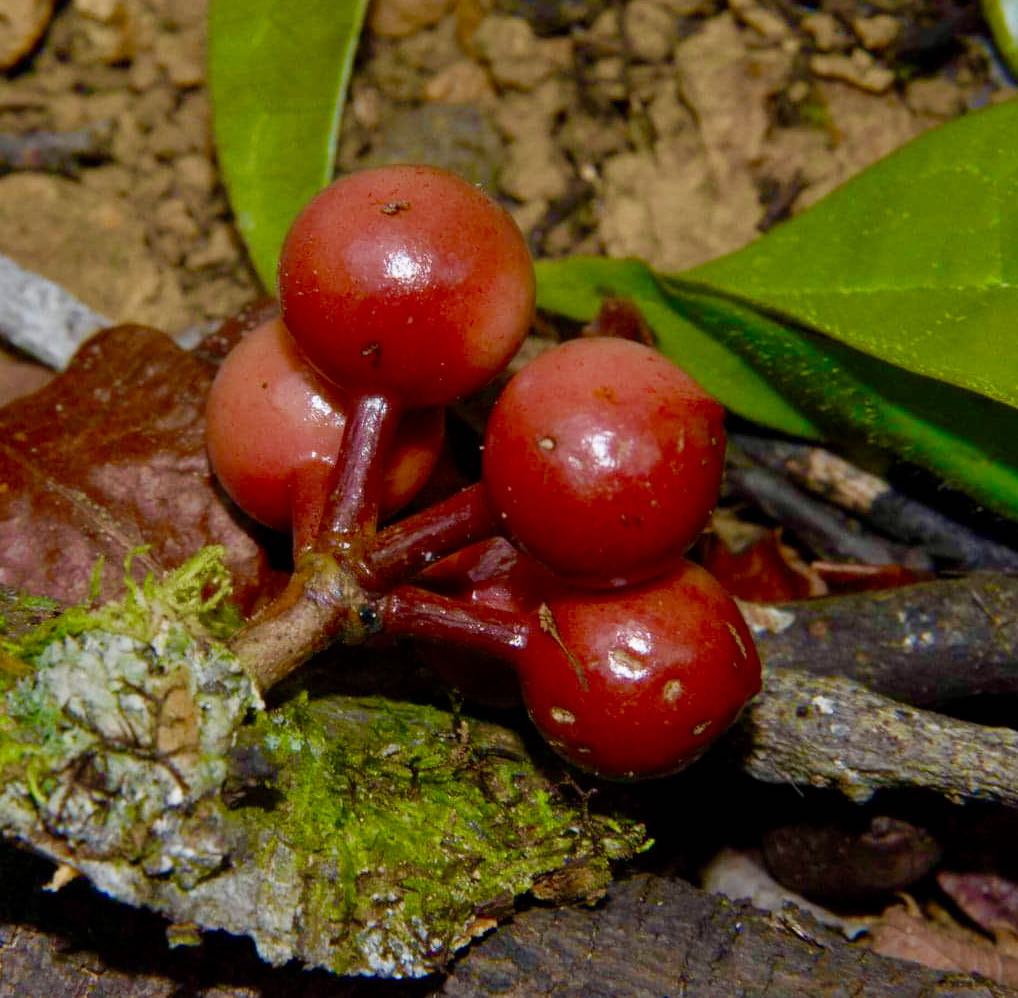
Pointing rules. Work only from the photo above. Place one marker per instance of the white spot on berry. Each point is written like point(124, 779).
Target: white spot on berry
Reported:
point(671, 691)
point(562, 716)
point(738, 640)
point(625, 665)
point(546, 443)
point(699, 729)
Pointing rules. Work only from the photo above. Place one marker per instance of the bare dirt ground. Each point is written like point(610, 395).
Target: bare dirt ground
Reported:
point(674, 130)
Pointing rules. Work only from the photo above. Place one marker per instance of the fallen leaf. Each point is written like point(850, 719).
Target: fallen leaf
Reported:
point(762, 571)
point(908, 936)
point(740, 874)
point(110, 457)
point(989, 900)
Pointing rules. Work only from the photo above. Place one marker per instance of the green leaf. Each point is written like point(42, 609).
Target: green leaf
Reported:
point(915, 261)
point(1002, 16)
point(278, 79)
point(969, 440)
point(576, 287)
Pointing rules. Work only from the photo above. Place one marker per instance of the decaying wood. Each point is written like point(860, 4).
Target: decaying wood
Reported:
point(827, 731)
point(924, 644)
point(879, 503)
point(663, 937)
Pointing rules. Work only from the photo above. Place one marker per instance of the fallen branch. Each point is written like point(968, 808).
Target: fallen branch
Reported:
point(40, 318)
point(879, 503)
point(827, 530)
point(662, 937)
point(925, 644)
point(55, 152)
point(827, 731)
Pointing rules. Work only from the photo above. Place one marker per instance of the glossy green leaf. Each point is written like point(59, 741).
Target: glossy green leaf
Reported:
point(915, 261)
point(576, 287)
point(1002, 16)
point(278, 78)
point(775, 372)
point(968, 440)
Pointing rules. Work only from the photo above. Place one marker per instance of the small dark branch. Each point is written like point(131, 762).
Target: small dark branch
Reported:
point(406, 548)
point(925, 644)
point(826, 530)
point(55, 152)
point(825, 731)
point(352, 510)
point(879, 503)
point(419, 613)
point(779, 200)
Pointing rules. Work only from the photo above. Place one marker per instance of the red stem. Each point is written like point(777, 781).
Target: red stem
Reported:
point(410, 610)
point(352, 508)
point(408, 547)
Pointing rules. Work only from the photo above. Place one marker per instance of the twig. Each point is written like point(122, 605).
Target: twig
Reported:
point(40, 318)
point(924, 644)
point(827, 731)
point(54, 152)
point(879, 503)
point(825, 529)
point(48, 323)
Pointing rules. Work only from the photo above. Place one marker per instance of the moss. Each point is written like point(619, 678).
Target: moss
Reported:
point(413, 828)
point(362, 835)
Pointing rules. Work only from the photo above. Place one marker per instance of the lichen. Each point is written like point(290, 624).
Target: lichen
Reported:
point(362, 835)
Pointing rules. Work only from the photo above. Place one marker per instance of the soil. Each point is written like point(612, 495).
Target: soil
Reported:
point(673, 130)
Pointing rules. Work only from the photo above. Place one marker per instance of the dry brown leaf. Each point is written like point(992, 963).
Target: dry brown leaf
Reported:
point(907, 936)
point(108, 457)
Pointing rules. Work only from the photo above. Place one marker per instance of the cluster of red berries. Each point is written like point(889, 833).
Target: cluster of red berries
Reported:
point(403, 289)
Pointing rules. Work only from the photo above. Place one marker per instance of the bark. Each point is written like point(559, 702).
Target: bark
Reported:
point(662, 937)
point(654, 936)
point(924, 644)
point(824, 731)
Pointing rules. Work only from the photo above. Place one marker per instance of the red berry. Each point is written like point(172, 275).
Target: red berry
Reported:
point(604, 460)
point(639, 682)
point(409, 281)
point(273, 426)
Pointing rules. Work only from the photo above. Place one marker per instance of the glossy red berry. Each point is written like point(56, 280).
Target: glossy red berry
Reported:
point(408, 281)
point(274, 427)
point(604, 460)
point(638, 682)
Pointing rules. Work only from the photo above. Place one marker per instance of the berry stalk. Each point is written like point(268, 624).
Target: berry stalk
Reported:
point(406, 548)
point(415, 612)
point(351, 512)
